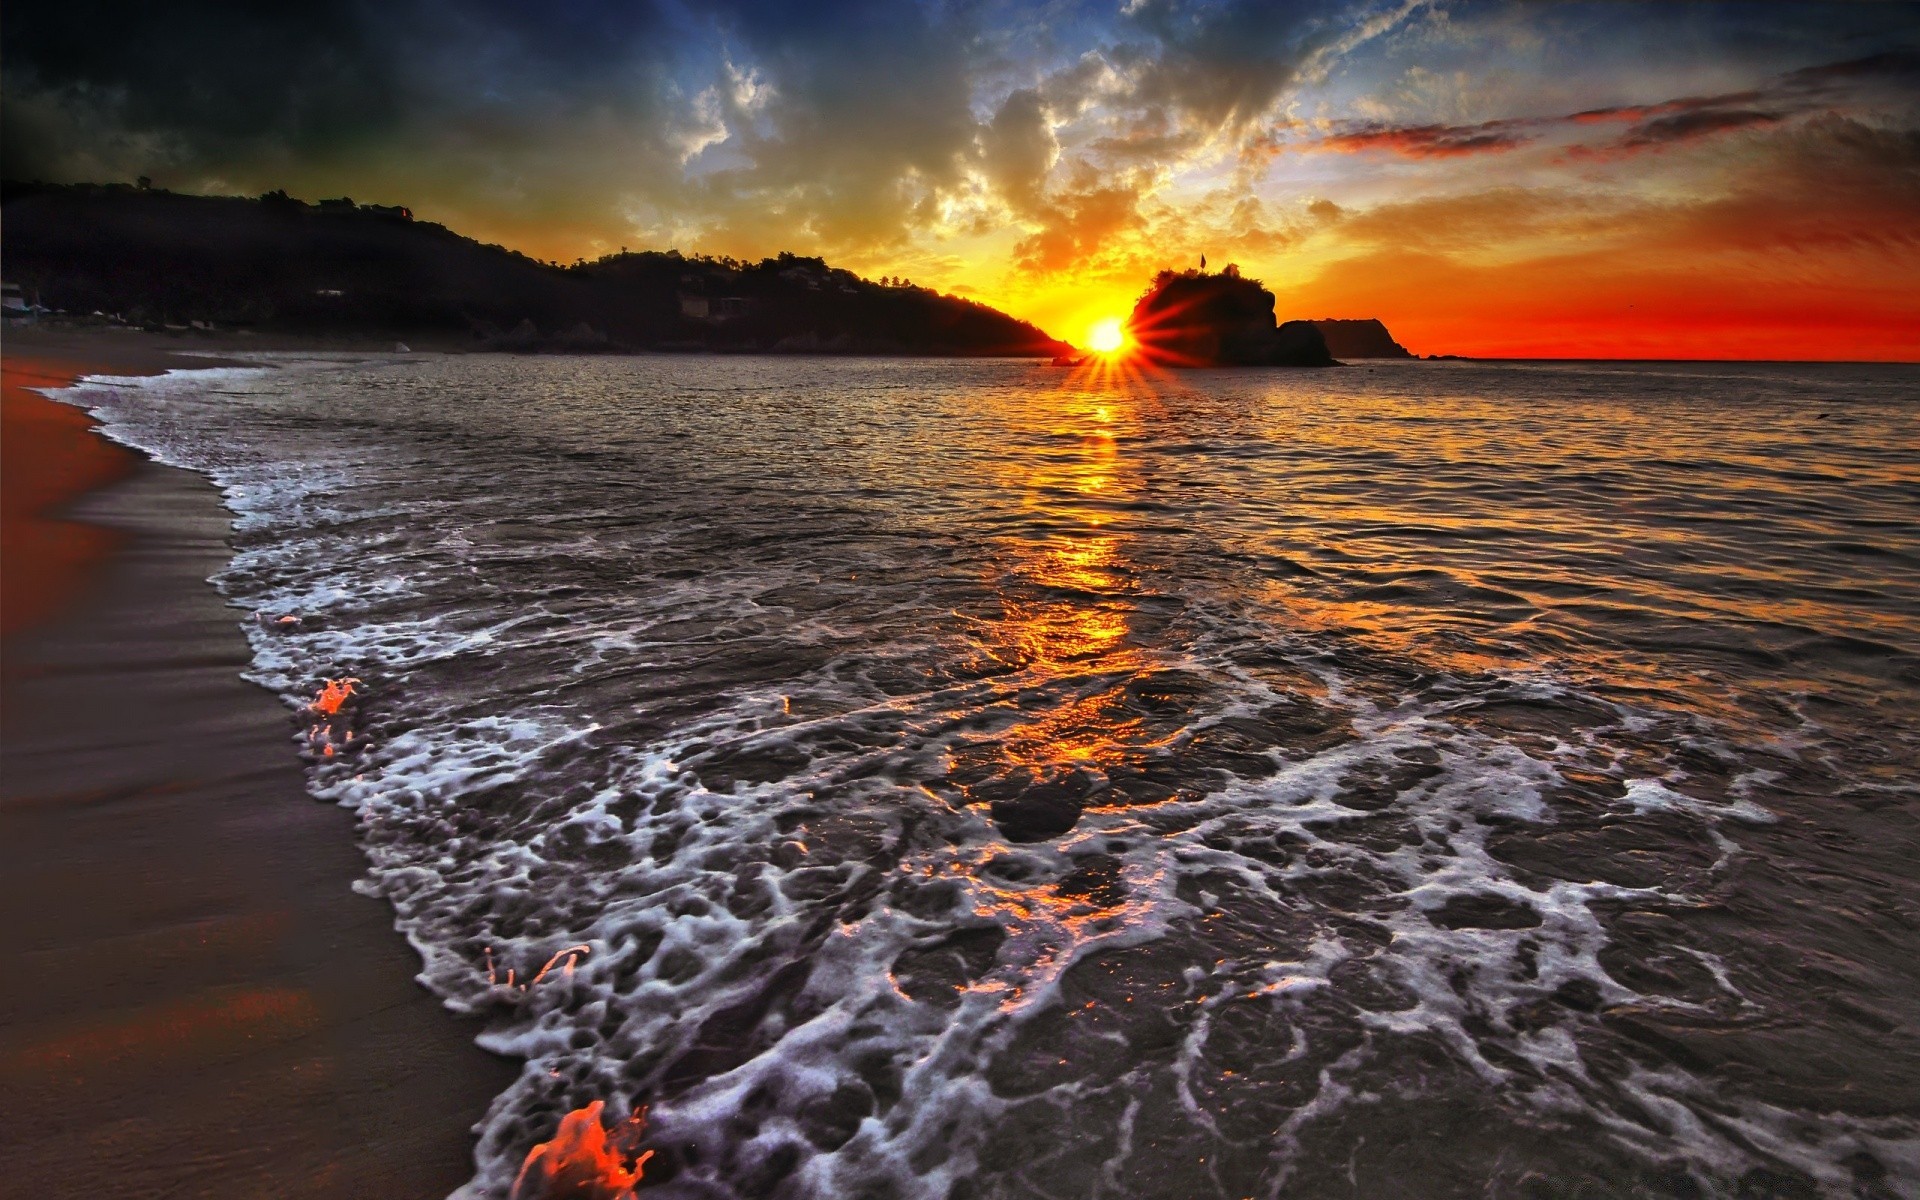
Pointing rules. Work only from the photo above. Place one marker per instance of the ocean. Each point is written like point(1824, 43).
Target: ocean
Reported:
point(966, 779)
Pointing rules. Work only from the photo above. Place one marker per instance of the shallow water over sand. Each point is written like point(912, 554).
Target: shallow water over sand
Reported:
point(970, 780)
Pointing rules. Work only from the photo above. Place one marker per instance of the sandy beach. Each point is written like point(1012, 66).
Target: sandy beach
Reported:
point(201, 1006)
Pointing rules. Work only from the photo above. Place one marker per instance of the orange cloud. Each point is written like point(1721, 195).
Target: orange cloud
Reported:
point(1429, 141)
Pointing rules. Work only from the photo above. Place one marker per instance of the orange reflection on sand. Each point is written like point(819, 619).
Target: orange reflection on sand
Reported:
point(49, 455)
point(194, 1028)
point(585, 1160)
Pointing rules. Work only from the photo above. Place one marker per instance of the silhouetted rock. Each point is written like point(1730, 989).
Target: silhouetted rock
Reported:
point(582, 337)
point(522, 337)
point(1367, 338)
point(1195, 319)
point(1300, 344)
point(1040, 810)
point(1035, 818)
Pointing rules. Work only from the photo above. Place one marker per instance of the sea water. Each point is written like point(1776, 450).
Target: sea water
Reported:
point(976, 779)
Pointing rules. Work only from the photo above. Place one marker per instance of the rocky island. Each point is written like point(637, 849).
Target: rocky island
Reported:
point(1220, 319)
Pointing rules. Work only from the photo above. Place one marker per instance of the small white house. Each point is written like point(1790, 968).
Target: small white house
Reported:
point(13, 303)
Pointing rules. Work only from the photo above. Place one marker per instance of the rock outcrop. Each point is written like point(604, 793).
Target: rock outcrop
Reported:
point(1364, 338)
point(1196, 319)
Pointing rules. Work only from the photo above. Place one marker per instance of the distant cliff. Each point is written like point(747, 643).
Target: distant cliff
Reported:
point(277, 264)
point(1195, 319)
point(1366, 338)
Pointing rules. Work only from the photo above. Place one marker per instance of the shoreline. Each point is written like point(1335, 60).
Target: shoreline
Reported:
point(205, 1007)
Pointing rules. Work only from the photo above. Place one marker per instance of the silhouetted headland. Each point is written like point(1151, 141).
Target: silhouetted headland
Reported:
point(1223, 319)
point(275, 264)
point(1364, 338)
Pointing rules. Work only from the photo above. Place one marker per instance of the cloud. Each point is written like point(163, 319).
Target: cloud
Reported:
point(1499, 218)
point(1651, 126)
point(1831, 185)
point(1018, 148)
point(1223, 65)
point(1080, 226)
point(1428, 141)
point(1897, 65)
point(866, 128)
point(1808, 90)
point(1688, 126)
point(1171, 85)
point(867, 123)
point(198, 79)
point(1834, 188)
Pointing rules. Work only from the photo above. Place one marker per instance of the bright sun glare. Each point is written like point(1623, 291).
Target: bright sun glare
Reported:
point(1106, 336)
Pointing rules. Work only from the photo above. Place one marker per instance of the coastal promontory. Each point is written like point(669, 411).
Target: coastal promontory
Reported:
point(1363, 338)
point(1220, 319)
point(167, 261)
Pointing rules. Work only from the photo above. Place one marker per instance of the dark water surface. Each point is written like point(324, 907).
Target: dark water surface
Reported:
point(1421, 780)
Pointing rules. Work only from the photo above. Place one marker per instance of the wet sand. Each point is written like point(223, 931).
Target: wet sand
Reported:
point(199, 1005)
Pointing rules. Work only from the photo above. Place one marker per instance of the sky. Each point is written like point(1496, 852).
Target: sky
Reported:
point(1489, 177)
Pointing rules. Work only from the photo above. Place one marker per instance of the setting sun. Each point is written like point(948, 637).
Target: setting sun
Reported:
point(1106, 336)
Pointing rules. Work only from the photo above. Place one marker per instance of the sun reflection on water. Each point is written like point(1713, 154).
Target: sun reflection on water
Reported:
point(1067, 592)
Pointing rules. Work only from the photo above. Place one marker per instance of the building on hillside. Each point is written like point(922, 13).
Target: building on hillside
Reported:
point(696, 307)
point(14, 306)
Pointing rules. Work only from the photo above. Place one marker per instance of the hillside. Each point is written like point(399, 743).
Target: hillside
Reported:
point(277, 264)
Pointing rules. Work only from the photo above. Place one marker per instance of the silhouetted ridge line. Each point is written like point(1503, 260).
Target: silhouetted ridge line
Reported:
point(277, 264)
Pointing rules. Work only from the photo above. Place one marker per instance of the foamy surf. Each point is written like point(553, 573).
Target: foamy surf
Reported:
point(937, 784)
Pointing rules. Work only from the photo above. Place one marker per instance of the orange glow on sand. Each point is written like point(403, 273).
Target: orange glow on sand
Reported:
point(196, 1027)
point(585, 1160)
point(48, 457)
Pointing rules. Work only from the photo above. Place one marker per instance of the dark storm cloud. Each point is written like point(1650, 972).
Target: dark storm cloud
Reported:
point(211, 70)
point(211, 84)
